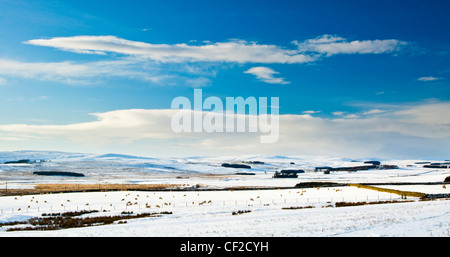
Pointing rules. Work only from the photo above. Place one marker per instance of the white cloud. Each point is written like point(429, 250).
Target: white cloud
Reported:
point(121, 125)
point(46, 71)
point(346, 115)
point(426, 79)
point(421, 130)
point(28, 99)
point(239, 51)
point(311, 112)
point(138, 56)
point(351, 116)
point(430, 113)
point(373, 111)
point(324, 39)
point(266, 74)
point(356, 116)
point(87, 73)
point(331, 45)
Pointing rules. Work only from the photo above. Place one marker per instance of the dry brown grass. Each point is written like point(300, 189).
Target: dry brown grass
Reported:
point(404, 194)
point(61, 188)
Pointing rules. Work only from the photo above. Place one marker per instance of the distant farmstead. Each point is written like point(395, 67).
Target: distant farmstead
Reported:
point(287, 173)
point(369, 165)
point(324, 168)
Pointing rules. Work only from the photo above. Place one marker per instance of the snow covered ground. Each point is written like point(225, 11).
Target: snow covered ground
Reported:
point(425, 218)
point(209, 213)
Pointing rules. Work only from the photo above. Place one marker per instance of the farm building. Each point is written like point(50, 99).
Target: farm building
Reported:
point(287, 173)
point(324, 168)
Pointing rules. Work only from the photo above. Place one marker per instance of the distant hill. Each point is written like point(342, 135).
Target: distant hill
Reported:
point(123, 156)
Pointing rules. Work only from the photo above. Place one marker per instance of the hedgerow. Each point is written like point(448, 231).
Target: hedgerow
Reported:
point(60, 221)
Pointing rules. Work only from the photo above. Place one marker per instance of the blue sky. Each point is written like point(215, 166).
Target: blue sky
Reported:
point(350, 61)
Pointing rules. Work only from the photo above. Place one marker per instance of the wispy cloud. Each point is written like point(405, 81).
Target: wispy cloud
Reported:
point(266, 74)
point(311, 112)
point(426, 79)
point(338, 113)
point(94, 72)
point(331, 45)
point(373, 111)
point(239, 51)
point(159, 62)
point(28, 99)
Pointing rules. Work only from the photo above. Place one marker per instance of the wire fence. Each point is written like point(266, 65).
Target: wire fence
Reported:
point(172, 205)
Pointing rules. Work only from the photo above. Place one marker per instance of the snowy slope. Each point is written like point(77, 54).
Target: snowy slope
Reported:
point(117, 168)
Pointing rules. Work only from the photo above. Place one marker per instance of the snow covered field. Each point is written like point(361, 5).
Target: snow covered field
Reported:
point(426, 218)
point(274, 212)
